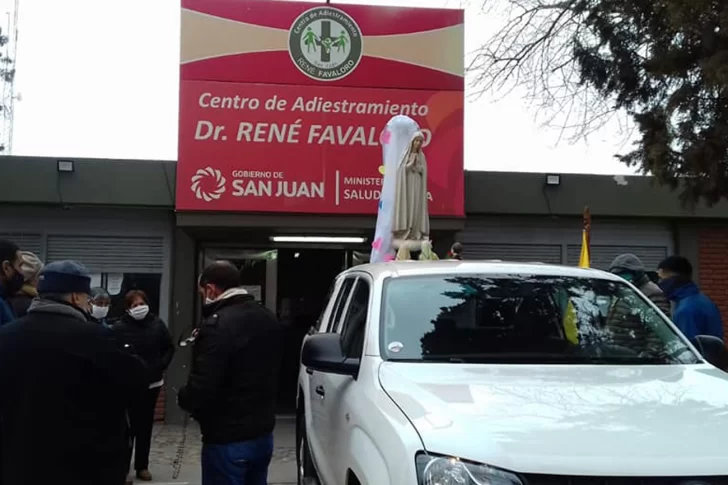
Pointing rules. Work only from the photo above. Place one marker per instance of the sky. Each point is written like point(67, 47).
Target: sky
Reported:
point(100, 79)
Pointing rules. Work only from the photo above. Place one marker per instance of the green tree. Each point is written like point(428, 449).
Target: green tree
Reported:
point(663, 63)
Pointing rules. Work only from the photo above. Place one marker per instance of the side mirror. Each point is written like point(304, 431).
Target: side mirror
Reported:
point(323, 352)
point(713, 350)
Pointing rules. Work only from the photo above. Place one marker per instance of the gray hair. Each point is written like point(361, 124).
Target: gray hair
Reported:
point(99, 292)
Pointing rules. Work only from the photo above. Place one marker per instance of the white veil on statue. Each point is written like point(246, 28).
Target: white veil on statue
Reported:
point(396, 140)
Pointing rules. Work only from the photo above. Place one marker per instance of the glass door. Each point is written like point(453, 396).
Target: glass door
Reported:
point(258, 271)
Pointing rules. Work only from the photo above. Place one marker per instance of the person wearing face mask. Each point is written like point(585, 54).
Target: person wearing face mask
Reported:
point(232, 387)
point(694, 313)
point(64, 386)
point(149, 338)
point(630, 267)
point(11, 278)
point(628, 330)
point(30, 266)
point(100, 304)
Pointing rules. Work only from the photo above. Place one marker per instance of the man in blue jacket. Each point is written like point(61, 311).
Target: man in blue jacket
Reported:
point(694, 313)
point(11, 278)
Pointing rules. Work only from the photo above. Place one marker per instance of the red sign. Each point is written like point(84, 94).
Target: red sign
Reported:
point(276, 42)
point(282, 103)
point(261, 147)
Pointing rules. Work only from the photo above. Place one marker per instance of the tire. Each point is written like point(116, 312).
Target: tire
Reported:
point(304, 464)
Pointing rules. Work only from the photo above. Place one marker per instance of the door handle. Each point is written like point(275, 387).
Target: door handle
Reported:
point(309, 371)
point(320, 391)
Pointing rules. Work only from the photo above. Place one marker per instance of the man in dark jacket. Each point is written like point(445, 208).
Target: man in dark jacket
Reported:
point(694, 313)
point(65, 386)
point(231, 390)
point(11, 279)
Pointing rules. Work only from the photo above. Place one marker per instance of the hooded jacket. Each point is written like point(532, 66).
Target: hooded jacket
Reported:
point(632, 264)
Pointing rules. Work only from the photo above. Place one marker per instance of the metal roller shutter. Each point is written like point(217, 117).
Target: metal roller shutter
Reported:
point(541, 253)
point(110, 254)
point(26, 242)
point(602, 256)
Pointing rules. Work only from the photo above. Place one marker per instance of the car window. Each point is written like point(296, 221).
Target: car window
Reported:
point(341, 298)
point(354, 324)
point(327, 302)
point(524, 319)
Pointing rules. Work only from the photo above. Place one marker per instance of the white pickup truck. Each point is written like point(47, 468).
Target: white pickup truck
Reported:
point(488, 373)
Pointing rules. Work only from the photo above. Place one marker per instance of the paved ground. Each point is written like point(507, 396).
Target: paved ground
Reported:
point(165, 446)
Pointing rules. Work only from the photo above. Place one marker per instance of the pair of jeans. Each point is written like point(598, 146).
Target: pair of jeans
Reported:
point(141, 420)
point(241, 463)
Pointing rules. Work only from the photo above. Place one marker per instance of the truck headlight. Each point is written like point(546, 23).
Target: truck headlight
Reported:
point(446, 470)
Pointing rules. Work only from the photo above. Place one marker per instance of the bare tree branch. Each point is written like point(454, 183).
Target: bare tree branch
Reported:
point(534, 52)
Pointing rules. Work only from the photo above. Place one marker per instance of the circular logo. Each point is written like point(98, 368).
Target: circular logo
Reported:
point(325, 43)
point(214, 186)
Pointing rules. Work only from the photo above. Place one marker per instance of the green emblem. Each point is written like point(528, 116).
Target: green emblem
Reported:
point(325, 43)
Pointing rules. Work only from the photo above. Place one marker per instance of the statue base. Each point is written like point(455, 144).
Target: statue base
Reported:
point(409, 244)
point(405, 247)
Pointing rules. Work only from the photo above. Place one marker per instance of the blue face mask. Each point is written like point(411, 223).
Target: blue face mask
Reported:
point(668, 286)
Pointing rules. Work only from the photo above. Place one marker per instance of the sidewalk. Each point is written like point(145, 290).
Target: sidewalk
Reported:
point(166, 443)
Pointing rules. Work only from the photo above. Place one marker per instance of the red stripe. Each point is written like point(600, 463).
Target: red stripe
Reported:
point(372, 20)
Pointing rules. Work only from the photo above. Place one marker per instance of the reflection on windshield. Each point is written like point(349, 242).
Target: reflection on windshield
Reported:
point(524, 319)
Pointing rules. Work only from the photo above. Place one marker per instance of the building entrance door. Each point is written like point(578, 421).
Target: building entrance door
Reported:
point(258, 271)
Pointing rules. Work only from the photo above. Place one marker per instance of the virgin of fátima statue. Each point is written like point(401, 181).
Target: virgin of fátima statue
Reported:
point(411, 217)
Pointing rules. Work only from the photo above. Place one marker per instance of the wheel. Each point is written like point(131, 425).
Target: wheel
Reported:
point(304, 463)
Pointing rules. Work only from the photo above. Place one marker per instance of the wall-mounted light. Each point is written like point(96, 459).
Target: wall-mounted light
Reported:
point(553, 179)
point(65, 165)
point(318, 239)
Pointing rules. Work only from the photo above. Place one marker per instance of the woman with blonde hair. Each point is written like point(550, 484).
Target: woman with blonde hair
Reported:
point(30, 266)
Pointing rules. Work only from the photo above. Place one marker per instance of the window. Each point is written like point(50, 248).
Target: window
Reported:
point(355, 321)
point(524, 319)
point(340, 304)
point(327, 300)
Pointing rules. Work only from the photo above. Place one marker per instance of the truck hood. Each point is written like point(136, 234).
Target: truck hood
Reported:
point(569, 420)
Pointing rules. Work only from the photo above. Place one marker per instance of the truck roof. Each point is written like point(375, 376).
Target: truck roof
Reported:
point(481, 267)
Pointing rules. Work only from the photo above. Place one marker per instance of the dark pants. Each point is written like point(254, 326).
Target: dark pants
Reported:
point(241, 463)
point(141, 417)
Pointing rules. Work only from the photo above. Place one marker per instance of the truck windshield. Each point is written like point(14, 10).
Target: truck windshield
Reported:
point(524, 319)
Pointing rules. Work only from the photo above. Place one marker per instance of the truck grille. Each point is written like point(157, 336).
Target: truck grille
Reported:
point(577, 480)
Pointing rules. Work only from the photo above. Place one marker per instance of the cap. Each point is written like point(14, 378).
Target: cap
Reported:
point(62, 277)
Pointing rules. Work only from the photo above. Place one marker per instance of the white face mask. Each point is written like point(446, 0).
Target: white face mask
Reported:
point(209, 301)
point(139, 312)
point(99, 312)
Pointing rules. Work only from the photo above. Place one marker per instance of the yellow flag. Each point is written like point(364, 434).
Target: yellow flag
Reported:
point(571, 331)
point(584, 256)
